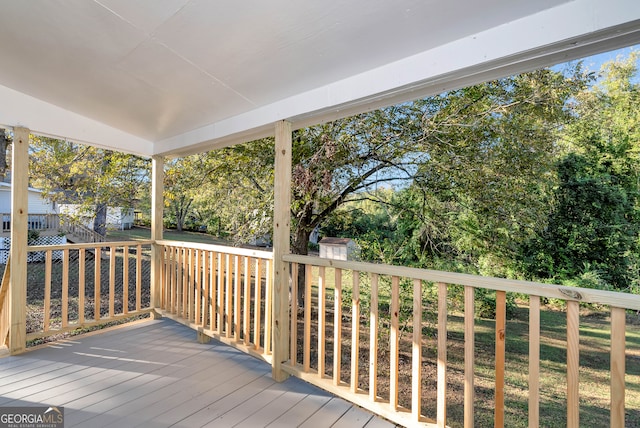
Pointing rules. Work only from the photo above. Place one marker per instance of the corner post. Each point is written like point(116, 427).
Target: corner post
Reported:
point(19, 241)
point(157, 212)
point(281, 246)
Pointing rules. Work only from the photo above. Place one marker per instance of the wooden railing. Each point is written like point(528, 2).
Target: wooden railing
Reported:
point(4, 304)
point(39, 222)
point(401, 290)
point(223, 292)
point(82, 285)
point(81, 232)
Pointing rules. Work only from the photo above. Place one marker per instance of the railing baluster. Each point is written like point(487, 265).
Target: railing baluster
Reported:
point(65, 288)
point(534, 361)
point(501, 316)
point(257, 306)
point(206, 287)
point(307, 318)
point(337, 327)
point(246, 334)
point(618, 322)
point(416, 354)
point(236, 298)
point(96, 284)
point(469, 355)
point(179, 283)
point(321, 320)
point(189, 313)
point(394, 340)
point(268, 321)
point(81, 284)
point(573, 364)
point(138, 277)
point(164, 280)
point(221, 287)
point(293, 334)
point(441, 417)
point(355, 331)
point(228, 308)
point(171, 280)
point(198, 290)
point(47, 290)
point(186, 279)
point(212, 290)
point(125, 279)
point(373, 340)
point(112, 280)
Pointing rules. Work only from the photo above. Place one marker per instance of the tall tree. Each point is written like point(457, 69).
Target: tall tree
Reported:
point(5, 141)
point(594, 224)
point(90, 177)
point(336, 162)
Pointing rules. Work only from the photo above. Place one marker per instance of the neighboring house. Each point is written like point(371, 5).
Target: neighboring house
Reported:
point(339, 249)
point(117, 217)
point(37, 204)
point(38, 208)
point(42, 220)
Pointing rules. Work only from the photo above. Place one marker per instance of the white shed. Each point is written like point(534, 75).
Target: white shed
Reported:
point(338, 249)
point(117, 217)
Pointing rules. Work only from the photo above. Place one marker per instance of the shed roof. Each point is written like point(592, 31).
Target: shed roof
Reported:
point(335, 241)
point(179, 76)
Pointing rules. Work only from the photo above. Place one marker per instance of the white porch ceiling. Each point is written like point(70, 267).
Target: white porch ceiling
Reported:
point(178, 76)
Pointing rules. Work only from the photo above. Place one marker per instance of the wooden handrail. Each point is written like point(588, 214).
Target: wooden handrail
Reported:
point(106, 270)
point(584, 295)
point(236, 251)
point(312, 368)
point(212, 288)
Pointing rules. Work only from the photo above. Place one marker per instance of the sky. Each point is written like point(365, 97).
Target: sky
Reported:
point(593, 63)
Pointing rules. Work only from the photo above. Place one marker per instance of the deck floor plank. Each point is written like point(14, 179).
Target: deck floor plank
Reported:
point(155, 374)
point(328, 414)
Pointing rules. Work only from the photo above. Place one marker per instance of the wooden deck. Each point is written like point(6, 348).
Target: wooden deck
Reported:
point(155, 374)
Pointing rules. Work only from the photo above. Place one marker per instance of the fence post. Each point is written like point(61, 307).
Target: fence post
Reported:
point(281, 246)
point(157, 209)
point(19, 231)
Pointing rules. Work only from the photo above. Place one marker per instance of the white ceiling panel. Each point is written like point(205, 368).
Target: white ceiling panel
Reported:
point(176, 76)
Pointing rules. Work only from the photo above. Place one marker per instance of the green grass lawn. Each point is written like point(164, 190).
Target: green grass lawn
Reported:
point(594, 359)
point(143, 233)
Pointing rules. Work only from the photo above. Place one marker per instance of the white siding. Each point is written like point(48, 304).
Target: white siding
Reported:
point(37, 205)
point(5, 201)
point(336, 252)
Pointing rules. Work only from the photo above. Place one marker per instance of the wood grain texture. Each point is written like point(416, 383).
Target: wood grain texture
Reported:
point(618, 357)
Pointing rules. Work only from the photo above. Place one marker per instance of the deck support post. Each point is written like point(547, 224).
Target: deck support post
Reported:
point(157, 225)
point(281, 246)
point(201, 337)
point(19, 241)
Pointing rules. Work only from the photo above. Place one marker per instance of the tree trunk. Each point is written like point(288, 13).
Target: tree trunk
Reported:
point(181, 212)
point(4, 144)
point(100, 222)
point(300, 245)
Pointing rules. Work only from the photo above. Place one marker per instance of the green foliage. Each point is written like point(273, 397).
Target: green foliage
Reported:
point(591, 238)
point(228, 191)
point(90, 177)
point(32, 236)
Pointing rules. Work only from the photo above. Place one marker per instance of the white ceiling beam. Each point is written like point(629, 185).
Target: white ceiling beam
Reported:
point(574, 29)
point(42, 118)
